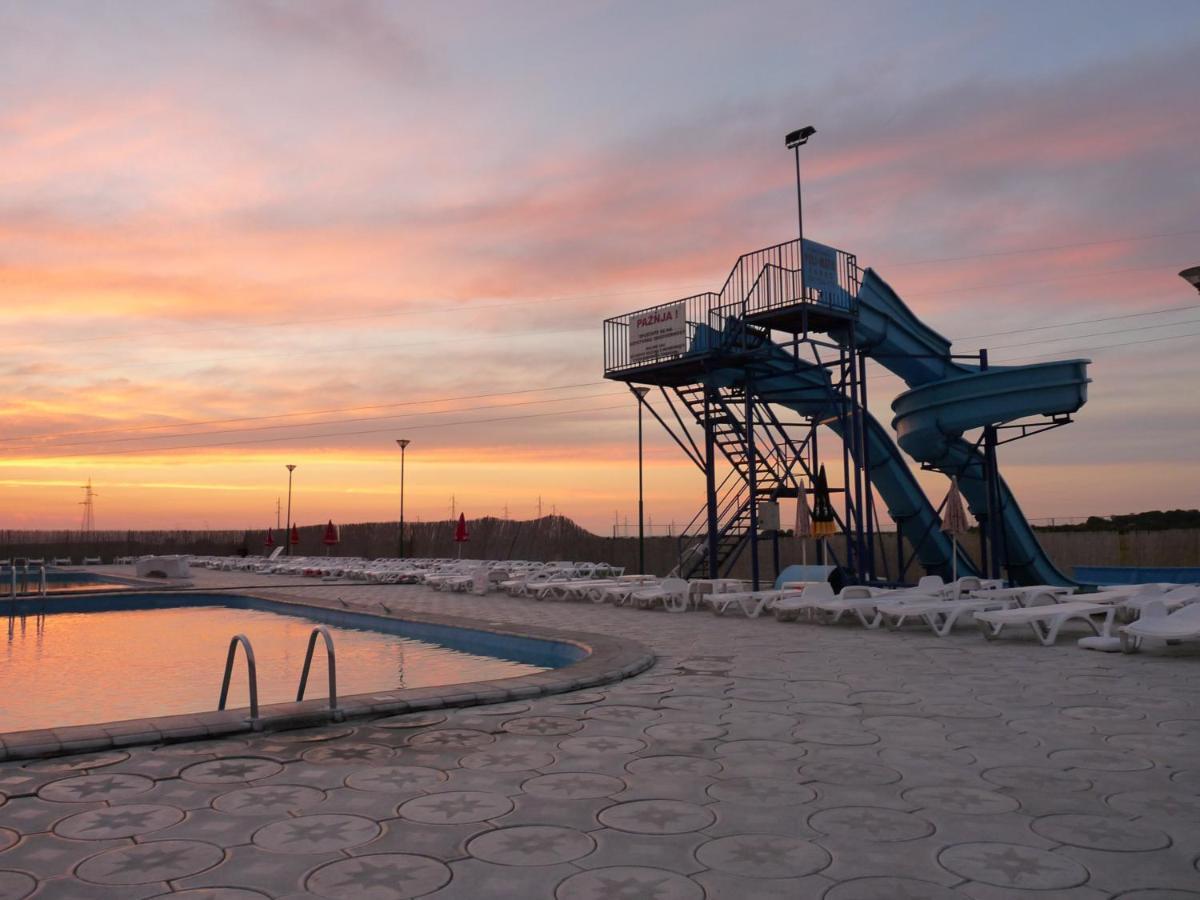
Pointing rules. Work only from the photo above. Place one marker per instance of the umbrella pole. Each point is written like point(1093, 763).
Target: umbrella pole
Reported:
point(954, 558)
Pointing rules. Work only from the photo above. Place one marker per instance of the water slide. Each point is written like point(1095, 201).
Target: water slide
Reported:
point(945, 399)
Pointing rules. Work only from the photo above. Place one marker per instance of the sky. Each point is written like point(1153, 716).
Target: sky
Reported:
point(236, 235)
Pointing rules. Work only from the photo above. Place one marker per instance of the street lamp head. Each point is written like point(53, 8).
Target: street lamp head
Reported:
point(640, 390)
point(403, 442)
point(291, 466)
point(1192, 276)
point(799, 137)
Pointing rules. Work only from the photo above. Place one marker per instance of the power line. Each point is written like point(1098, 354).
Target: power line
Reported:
point(1045, 249)
point(1153, 312)
point(1094, 334)
point(163, 437)
point(312, 412)
point(305, 437)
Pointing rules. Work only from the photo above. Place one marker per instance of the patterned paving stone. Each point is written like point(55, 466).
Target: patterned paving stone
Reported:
point(762, 793)
point(542, 725)
point(884, 698)
point(8, 838)
point(1158, 806)
point(673, 766)
point(451, 739)
point(830, 733)
point(78, 763)
point(502, 709)
point(16, 885)
point(90, 788)
point(763, 856)
point(395, 779)
point(848, 772)
point(1158, 894)
point(118, 822)
point(531, 845)
point(581, 698)
point(213, 894)
point(961, 800)
point(628, 883)
point(221, 747)
point(603, 744)
point(1098, 760)
point(456, 807)
point(313, 735)
point(150, 862)
point(506, 761)
point(630, 714)
point(1103, 714)
point(762, 749)
point(379, 876)
point(410, 720)
point(347, 753)
point(758, 694)
point(657, 817)
point(316, 834)
point(231, 770)
point(684, 731)
point(573, 786)
point(695, 703)
point(1036, 778)
point(268, 800)
point(1012, 866)
point(875, 824)
point(1101, 833)
point(827, 708)
point(884, 888)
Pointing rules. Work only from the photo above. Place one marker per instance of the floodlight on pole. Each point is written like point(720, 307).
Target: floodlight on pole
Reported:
point(641, 392)
point(291, 467)
point(1192, 276)
point(402, 443)
point(794, 141)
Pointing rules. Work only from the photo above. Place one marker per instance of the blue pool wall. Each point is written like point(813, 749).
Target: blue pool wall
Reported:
point(1137, 574)
point(546, 654)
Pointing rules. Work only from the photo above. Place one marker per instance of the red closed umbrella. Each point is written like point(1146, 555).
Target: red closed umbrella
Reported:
point(270, 541)
point(331, 537)
point(295, 536)
point(461, 535)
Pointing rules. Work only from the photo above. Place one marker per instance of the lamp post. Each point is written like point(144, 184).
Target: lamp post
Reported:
point(640, 393)
point(794, 141)
point(1192, 276)
point(291, 467)
point(402, 443)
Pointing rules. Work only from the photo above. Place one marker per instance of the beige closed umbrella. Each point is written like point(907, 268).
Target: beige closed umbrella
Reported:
point(954, 523)
point(803, 529)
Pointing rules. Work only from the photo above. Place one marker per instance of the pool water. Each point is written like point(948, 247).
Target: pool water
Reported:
point(73, 668)
point(57, 582)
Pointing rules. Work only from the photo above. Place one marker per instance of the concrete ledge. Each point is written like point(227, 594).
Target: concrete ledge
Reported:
point(608, 659)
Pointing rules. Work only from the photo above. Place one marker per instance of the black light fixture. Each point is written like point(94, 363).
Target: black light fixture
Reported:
point(1192, 276)
point(799, 137)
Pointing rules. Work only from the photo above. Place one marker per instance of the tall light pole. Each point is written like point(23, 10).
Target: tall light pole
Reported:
point(641, 393)
point(794, 141)
point(291, 467)
point(402, 443)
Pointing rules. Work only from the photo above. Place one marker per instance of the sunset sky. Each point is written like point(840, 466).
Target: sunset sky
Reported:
point(235, 235)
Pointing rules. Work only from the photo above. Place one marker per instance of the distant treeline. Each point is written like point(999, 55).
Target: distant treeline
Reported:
point(1154, 520)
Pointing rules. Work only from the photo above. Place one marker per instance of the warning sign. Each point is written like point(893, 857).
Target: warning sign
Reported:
point(658, 332)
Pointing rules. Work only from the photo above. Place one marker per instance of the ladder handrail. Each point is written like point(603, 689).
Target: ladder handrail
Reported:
point(251, 670)
point(332, 665)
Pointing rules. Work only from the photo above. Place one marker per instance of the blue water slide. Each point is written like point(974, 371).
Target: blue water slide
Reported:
point(947, 398)
point(808, 390)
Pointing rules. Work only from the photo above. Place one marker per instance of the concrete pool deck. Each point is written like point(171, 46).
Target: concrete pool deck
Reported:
point(754, 759)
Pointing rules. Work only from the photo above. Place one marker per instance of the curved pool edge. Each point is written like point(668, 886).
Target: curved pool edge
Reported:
point(608, 659)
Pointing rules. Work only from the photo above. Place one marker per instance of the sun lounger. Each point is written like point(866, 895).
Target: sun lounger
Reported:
point(1046, 620)
point(790, 605)
point(670, 593)
point(940, 615)
point(1156, 622)
point(751, 603)
point(1174, 599)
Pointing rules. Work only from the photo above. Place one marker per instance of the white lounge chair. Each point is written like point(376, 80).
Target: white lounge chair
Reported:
point(940, 615)
point(1156, 622)
point(751, 603)
point(790, 605)
point(670, 593)
point(1047, 620)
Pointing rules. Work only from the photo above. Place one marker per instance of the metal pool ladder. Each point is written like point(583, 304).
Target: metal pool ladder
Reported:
point(251, 671)
point(332, 666)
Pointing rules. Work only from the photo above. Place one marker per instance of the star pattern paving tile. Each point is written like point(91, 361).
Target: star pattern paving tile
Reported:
point(456, 807)
point(118, 822)
point(763, 856)
point(531, 845)
point(379, 876)
point(90, 788)
point(268, 800)
point(1101, 833)
point(628, 883)
point(395, 779)
point(573, 786)
point(1012, 866)
point(873, 824)
point(231, 770)
point(657, 817)
point(150, 863)
point(317, 834)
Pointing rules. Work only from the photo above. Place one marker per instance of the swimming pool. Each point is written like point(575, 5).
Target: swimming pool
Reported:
point(101, 659)
point(57, 582)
